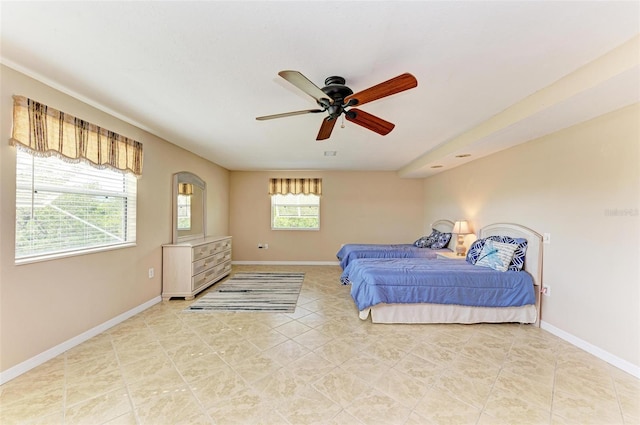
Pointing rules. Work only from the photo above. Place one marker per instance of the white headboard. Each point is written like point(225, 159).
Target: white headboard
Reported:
point(445, 226)
point(533, 257)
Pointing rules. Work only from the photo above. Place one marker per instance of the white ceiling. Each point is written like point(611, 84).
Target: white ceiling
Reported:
point(198, 73)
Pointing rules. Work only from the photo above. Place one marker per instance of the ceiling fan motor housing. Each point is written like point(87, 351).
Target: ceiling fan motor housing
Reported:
point(337, 91)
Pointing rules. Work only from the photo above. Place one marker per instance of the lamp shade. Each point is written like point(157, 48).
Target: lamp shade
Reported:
point(461, 228)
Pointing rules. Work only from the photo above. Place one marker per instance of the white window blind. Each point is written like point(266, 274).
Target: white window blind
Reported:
point(295, 212)
point(64, 207)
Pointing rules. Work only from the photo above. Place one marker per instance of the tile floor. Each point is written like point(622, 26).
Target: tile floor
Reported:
point(319, 365)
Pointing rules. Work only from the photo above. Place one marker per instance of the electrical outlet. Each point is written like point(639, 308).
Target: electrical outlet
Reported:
point(151, 273)
point(546, 238)
point(266, 246)
point(260, 246)
point(546, 290)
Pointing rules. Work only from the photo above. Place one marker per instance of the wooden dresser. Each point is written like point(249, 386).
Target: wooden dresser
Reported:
point(192, 266)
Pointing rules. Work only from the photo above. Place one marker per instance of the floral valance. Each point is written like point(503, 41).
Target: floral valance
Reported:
point(45, 131)
point(295, 186)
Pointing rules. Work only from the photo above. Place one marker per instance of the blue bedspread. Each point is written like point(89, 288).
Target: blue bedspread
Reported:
point(413, 280)
point(350, 252)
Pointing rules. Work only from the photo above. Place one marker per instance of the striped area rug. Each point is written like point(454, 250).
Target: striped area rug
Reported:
point(260, 292)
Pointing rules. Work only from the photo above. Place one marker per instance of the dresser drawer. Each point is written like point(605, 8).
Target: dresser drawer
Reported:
point(209, 275)
point(206, 263)
point(223, 256)
point(224, 268)
point(202, 251)
point(225, 245)
point(203, 278)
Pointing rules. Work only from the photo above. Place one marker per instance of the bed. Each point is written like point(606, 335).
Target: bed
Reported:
point(382, 288)
point(350, 252)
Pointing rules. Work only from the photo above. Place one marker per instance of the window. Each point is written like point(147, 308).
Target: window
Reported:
point(184, 212)
point(64, 207)
point(295, 212)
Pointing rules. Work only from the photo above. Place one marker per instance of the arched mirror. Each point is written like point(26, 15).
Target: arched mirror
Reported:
point(189, 207)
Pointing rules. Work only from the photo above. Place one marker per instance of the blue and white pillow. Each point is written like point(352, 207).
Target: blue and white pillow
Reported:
point(517, 262)
point(427, 241)
point(443, 240)
point(473, 253)
point(496, 255)
point(423, 242)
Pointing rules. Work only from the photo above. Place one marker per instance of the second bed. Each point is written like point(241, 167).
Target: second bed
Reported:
point(350, 252)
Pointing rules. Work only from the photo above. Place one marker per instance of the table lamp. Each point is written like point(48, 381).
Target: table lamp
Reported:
point(461, 228)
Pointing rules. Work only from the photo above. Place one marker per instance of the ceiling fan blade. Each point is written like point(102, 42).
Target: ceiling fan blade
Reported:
point(326, 128)
point(395, 85)
point(369, 121)
point(303, 83)
point(289, 114)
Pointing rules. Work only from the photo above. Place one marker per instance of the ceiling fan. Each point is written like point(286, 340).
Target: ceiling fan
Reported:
point(335, 98)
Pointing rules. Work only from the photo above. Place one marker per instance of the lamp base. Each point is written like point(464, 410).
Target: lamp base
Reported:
point(461, 250)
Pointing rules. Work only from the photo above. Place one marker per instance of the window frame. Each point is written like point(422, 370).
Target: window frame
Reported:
point(273, 211)
point(128, 210)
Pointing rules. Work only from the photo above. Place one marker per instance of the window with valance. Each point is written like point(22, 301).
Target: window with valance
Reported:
point(75, 184)
point(295, 203)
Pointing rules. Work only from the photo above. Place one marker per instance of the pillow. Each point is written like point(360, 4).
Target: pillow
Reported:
point(517, 262)
point(443, 240)
point(427, 241)
point(473, 253)
point(423, 242)
point(496, 255)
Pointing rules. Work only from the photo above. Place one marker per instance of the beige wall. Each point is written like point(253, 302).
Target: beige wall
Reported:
point(567, 184)
point(45, 304)
point(356, 207)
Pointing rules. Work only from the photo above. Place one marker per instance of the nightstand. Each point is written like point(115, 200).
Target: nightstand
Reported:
point(450, 256)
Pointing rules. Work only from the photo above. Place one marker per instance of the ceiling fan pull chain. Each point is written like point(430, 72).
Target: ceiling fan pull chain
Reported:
point(342, 125)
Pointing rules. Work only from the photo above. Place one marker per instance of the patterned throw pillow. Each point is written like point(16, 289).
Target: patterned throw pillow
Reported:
point(496, 255)
point(443, 240)
point(422, 242)
point(427, 241)
point(473, 253)
point(517, 262)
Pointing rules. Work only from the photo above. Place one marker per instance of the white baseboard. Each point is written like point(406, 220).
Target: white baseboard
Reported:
point(45, 356)
point(592, 349)
point(288, 263)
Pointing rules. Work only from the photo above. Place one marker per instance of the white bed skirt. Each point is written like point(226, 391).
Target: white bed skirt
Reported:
point(448, 313)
